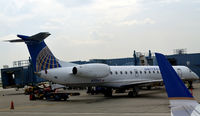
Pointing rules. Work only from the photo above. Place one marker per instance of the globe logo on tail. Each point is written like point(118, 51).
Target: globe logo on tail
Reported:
point(46, 60)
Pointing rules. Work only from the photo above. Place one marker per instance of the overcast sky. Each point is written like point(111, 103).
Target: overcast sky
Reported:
point(88, 29)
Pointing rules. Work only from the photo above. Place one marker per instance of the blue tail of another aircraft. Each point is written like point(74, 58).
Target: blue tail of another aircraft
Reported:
point(181, 101)
point(173, 84)
point(42, 57)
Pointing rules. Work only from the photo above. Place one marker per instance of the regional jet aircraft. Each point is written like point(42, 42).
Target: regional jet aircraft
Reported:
point(182, 102)
point(47, 66)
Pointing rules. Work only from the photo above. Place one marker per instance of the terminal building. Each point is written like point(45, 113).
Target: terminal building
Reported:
point(22, 72)
point(180, 57)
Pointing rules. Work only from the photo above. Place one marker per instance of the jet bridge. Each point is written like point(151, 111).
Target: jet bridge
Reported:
point(19, 75)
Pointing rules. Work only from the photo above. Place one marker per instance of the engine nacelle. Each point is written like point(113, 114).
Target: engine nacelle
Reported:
point(91, 70)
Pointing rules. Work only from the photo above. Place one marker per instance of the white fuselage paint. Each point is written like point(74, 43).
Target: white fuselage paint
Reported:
point(119, 76)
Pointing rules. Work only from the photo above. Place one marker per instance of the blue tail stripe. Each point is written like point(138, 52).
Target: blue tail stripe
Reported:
point(51, 62)
point(54, 62)
point(46, 63)
point(34, 50)
point(58, 64)
point(173, 84)
point(43, 63)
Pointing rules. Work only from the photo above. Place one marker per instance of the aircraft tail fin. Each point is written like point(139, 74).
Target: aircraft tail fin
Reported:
point(181, 100)
point(174, 85)
point(42, 57)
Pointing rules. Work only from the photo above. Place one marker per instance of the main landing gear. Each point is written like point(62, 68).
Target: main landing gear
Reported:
point(190, 86)
point(108, 92)
point(133, 92)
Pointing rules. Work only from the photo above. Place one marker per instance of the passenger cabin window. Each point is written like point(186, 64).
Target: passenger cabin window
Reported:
point(126, 72)
point(149, 72)
point(121, 72)
point(116, 72)
point(131, 72)
point(136, 72)
point(56, 77)
point(153, 71)
point(140, 72)
point(145, 72)
point(158, 72)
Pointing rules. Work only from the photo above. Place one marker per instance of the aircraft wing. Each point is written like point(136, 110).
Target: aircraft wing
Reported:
point(140, 82)
point(182, 102)
point(131, 83)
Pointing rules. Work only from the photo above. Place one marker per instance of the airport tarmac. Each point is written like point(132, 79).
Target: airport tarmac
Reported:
point(149, 103)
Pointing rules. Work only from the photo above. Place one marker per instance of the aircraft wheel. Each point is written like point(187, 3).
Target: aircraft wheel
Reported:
point(132, 93)
point(190, 86)
point(149, 87)
point(108, 92)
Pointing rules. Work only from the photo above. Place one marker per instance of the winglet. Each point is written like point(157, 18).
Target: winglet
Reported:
point(174, 85)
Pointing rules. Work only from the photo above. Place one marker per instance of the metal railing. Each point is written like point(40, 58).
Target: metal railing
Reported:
point(21, 63)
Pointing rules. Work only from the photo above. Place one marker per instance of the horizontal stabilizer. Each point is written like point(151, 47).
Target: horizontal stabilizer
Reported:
point(35, 38)
point(15, 40)
point(40, 36)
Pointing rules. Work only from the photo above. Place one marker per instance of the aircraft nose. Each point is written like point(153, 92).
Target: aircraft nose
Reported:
point(195, 76)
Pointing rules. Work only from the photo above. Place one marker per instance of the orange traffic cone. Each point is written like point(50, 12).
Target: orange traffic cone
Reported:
point(12, 105)
point(191, 91)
